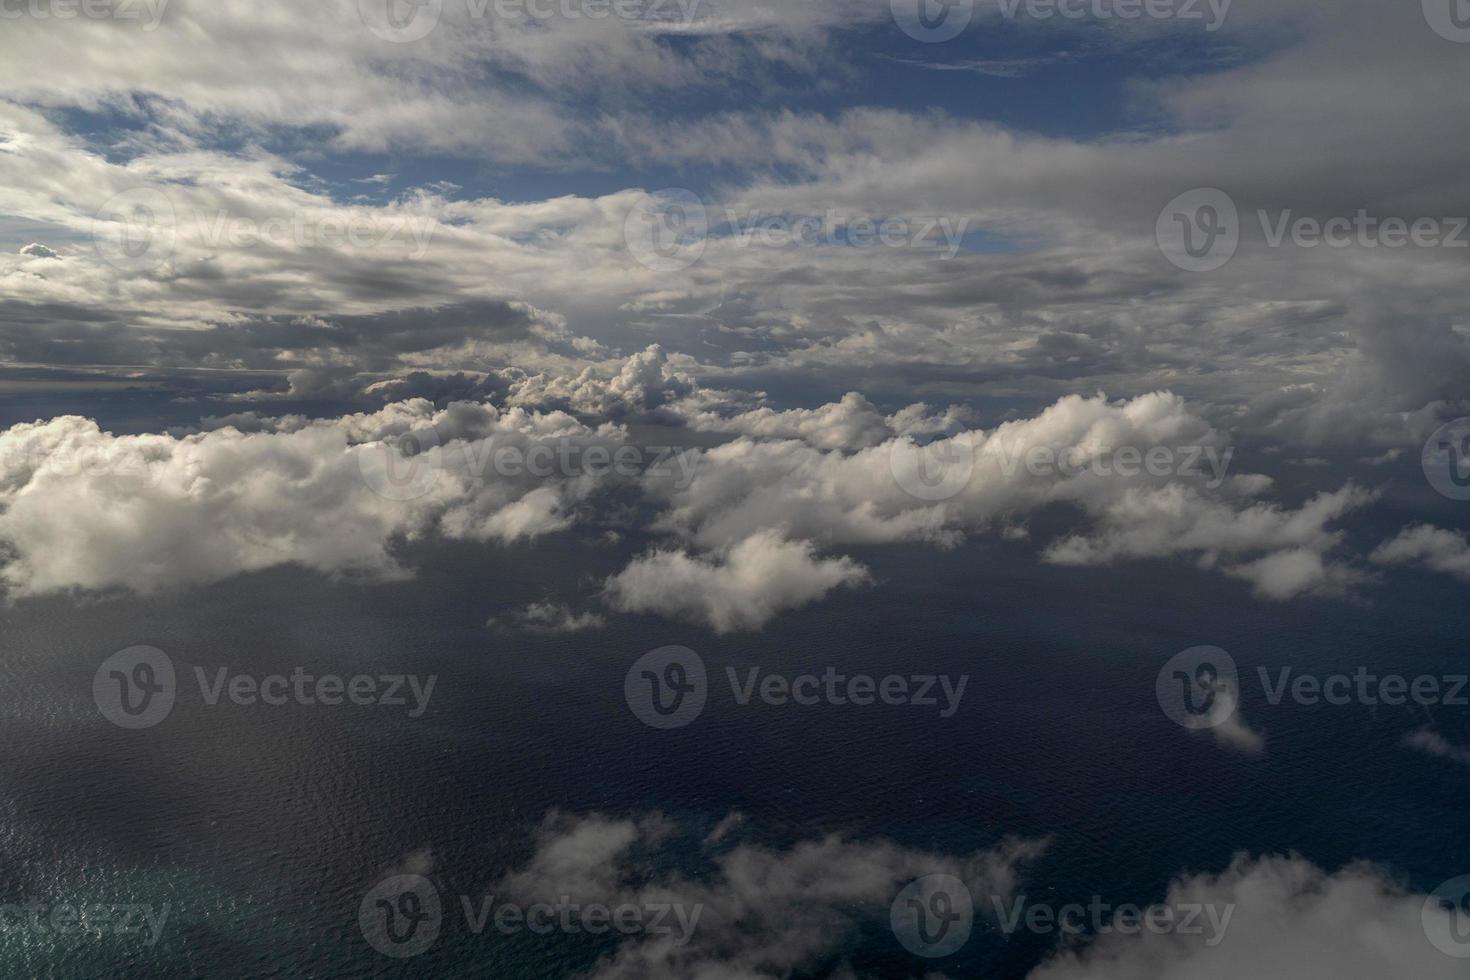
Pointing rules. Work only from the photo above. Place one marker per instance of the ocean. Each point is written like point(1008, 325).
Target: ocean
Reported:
point(262, 827)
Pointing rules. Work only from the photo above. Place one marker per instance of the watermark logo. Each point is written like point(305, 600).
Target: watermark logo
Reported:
point(138, 687)
point(410, 234)
point(409, 466)
point(1215, 10)
point(403, 468)
point(942, 235)
point(933, 21)
point(1099, 918)
point(401, 21)
point(841, 690)
point(1370, 690)
point(139, 230)
point(404, 915)
point(149, 12)
point(96, 920)
point(1362, 230)
point(1199, 688)
point(667, 231)
point(1446, 917)
point(137, 470)
point(667, 688)
point(401, 916)
point(933, 916)
point(942, 468)
point(406, 21)
point(673, 920)
point(938, 470)
point(1199, 231)
point(1450, 19)
point(136, 231)
point(135, 688)
point(1446, 459)
point(670, 231)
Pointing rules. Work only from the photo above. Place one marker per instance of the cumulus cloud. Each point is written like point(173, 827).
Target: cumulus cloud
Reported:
point(1433, 547)
point(549, 618)
point(836, 496)
point(740, 589)
point(1290, 919)
point(1433, 744)
point(38, 251)
point(84, 509)
point(752, 522)
point(763, 911)
point(1299, 571)
point(850, 424)
point(1176, 520)
point(1070, 454)
point(640, 386)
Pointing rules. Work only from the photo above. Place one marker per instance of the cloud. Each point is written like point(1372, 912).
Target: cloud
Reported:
point(741, 589)
point(1289, 919)
point(505, 88)
point(87, 510)
point(549, 618)
point(764, 911)
point(995, 67)
point(1299, 571)
point(751, 523)
point(1176, 520)
point(855, 497)
point(1067, 455)
point(642, 385)
point(418, 862)
point(849, 424)
point(1383, 459)
point(1436, 745)
point(1234, 732)
point(38, 251)
point(1433, 547)
point(852, 423)
point(1359, 346)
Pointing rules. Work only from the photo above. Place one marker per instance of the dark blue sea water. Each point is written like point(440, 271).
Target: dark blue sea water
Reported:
point(264, 826)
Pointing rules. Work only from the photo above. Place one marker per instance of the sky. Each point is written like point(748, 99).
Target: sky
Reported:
point(816, 230)
point(1174, 281)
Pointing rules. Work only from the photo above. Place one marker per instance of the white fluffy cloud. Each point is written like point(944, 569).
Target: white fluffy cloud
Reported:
point(642, 385)
point(1173, 520)
point(849, 424)
point(1291, 921)
point(549, 618)
point(767, 912)
point(1070, 454)
point(764, 911)
point(752, 524)
point(1433, 547)
point(741, 589)
point(84, 509)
